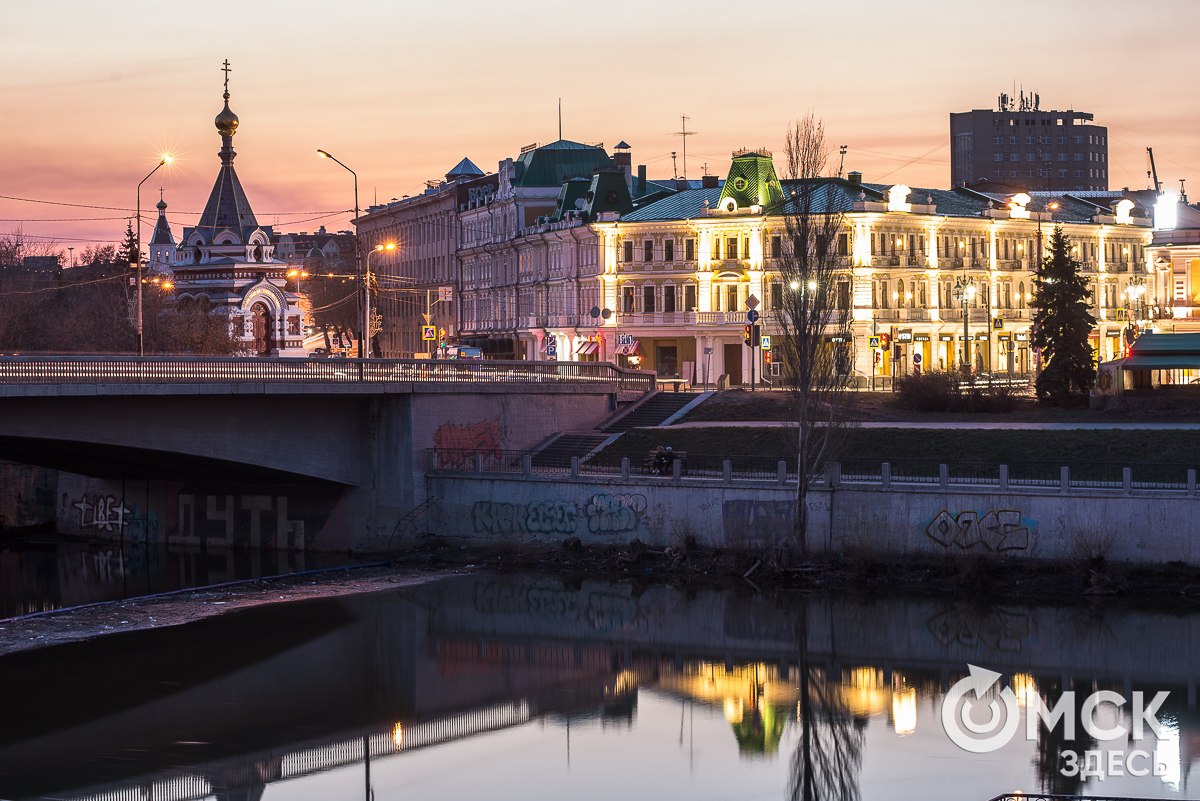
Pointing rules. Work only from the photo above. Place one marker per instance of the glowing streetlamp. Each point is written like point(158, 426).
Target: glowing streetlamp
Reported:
point(964, 290)
point(381, 248)
point(167, 158)
point(358, 266)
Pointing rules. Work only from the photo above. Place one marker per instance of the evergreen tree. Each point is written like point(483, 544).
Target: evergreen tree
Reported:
point(1061, 327)
point(129, 248)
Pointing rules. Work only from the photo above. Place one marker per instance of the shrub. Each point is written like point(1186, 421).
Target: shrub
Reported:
point(948, 392)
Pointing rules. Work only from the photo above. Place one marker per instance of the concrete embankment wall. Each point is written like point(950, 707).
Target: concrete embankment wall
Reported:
point(1150, 527)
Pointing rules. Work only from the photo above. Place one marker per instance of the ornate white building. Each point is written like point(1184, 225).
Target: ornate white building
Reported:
point(227, 261)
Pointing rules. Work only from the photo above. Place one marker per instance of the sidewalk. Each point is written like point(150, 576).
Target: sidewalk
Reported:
point(956, 425)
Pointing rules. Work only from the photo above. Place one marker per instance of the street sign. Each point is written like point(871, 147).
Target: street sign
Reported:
point(766, 342)
point(998, 324)
point(552, 349)
point(872, 342)
point(752, 316)
point(708, 351)
point(1120, 315)
point(624, 339)
point(428, 333)
point(445, 294)
point(752, 302)
point(917, 359)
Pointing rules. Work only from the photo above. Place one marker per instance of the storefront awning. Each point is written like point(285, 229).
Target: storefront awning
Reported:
point(631, 349)
point(586, 348)
point(1161, 361)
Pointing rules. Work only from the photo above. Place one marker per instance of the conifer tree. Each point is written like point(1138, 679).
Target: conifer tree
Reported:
point(129, 248)
point(1062, 324)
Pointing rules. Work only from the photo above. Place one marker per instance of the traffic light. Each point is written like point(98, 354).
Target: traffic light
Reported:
point(767, 356)
point(884, 341)
point(746, 335)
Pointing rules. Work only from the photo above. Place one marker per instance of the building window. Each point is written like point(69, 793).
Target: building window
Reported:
point(776, 247)
point(628, 251)
point(689, 297)
point(669, 250)
point(731, 297)
point(648, 298)
point(731, 247)
point(669, 298)
point(776, 295)
point(627, 299)
point(648, 251)
point(997, 157)
point(689, 250)
point(843, 245)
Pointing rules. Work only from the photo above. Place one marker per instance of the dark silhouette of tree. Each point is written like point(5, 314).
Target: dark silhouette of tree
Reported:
point(129, 247)
point(814, 320)
point(1062, 324)
point(1053, 745)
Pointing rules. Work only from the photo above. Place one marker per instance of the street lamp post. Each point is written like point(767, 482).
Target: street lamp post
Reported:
point(964, 290)
point(388, 247)
point(1135, 291)
point(358, 264)
point(137, 250)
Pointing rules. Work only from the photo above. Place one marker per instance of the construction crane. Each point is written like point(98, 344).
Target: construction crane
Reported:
point(1153, 171)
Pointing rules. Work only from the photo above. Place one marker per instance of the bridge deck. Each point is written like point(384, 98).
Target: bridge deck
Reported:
point(125, 375)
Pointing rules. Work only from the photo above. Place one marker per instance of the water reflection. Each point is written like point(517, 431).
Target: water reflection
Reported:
point(523, 687)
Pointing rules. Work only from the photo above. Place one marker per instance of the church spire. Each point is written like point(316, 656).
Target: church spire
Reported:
point(227, 206)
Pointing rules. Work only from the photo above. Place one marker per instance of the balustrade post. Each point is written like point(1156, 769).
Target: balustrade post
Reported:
point(781, 473)
point(1127, 480)
point(1191, 483)
point(575, 462)
point(885, 475)
point(944, 475)
point(727, 470)
point(1064, 478)
point(1004, 478)
point(624, 467)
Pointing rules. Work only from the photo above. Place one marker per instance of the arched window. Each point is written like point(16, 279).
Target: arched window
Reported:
point(1021, 295)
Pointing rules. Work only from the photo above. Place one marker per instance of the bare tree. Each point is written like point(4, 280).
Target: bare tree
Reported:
point(814, 319)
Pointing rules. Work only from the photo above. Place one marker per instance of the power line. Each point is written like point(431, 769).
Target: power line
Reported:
point(134, 211)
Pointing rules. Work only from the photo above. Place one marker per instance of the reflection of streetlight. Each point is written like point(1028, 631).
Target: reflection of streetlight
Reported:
point(964, 290)
point(362, 354)
point(390, 246)
point(167, 158)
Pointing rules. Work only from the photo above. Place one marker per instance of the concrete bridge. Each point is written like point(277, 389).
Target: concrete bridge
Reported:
point(358, 428)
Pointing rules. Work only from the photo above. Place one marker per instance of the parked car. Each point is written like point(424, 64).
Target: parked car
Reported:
point(463, 352)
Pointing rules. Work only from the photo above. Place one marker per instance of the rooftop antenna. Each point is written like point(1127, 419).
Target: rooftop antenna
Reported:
point(841, 160)
point(1182, 192)
point(674, 169)
point(560, 119)
point(685, 133)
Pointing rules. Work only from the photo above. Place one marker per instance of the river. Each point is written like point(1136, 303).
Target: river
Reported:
point(526, 687)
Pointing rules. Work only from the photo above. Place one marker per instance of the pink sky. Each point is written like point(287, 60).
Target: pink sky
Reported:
point(401, 91)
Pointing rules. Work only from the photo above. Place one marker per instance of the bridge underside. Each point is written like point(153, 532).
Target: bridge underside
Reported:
point(119, 462)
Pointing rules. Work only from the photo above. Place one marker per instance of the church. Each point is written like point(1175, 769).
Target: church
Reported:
point(227, 261)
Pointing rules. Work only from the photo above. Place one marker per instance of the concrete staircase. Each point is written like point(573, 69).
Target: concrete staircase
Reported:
point(558, 452)
point(651, 412)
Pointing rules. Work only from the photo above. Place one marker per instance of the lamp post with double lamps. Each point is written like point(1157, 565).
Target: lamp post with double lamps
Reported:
point(964, 290)
point(136, 256)
point(386, 247)
point(1135, 292)
point(358, 265)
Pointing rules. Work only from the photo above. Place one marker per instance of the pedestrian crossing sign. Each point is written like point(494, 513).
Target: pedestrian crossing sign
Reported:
point(873, 342)
point(428, 332)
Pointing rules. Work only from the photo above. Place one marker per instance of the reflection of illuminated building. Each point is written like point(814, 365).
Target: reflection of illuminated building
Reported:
point(1167, 753)
point(1024, 688)
point(864, 692)
point(904, 707)
point(755, 699)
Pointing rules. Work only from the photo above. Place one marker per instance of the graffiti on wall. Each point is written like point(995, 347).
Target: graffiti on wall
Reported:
point(456, 445)
point(102, 512)
point(999, 530)
point(758, 524)
point(602, 514)
point(244, 520)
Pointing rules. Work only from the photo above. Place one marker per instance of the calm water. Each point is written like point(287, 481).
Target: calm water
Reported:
point(519, 687)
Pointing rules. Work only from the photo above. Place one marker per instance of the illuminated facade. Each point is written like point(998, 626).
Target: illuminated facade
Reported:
point(673, 278)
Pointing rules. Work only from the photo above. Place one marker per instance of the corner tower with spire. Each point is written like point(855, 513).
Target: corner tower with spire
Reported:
point(227, 261)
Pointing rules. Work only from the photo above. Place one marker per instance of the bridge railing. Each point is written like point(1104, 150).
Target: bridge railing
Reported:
point(205, 370)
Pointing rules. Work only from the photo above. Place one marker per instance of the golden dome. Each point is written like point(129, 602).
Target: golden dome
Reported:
point(226, 121)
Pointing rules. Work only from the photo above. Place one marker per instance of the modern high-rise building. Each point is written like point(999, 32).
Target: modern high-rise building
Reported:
point(1019, 144)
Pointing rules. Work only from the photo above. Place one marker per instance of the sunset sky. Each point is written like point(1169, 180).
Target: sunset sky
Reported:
point(400, 91)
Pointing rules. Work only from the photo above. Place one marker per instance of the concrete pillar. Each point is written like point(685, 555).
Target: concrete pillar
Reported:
point(575, 461)
point(782, 474)
point(1064, 478)
point(1191, 483)
point(944, 475)
point(1127, 480)
point(885, 475)
point(1004, 478)
point(624, 467)
point(727, 470)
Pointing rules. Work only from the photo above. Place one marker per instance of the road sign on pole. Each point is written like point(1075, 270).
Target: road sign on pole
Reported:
point(872, 342)
point(766, 342)
point(752, 316)
point(428, 332)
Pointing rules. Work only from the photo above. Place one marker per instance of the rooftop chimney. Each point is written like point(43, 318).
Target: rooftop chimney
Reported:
point(710, 182)
point(641, 180)
point(854, 177)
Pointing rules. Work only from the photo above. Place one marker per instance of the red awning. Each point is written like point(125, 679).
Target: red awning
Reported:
point(630, 349)
point(586, 348)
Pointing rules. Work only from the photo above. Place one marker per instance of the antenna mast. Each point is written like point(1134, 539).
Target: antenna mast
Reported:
point(560, 118)
point(841, 159)
point(685, 133)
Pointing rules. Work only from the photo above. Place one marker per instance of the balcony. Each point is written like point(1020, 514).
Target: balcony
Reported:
point(720, 318)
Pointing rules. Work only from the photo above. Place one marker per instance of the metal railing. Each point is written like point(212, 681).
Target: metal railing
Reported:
point(208, 370)
point(782, 469)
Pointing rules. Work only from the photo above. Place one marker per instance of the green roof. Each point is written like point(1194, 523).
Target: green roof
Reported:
point(751, 181)
point(550, 164)
point(1179, 344)
point(1162, 361)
